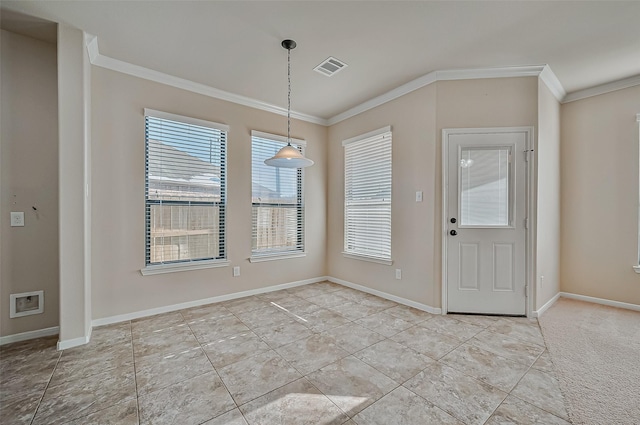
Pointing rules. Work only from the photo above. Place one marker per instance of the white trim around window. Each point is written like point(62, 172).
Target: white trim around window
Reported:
point(367, 196)
point(185, 193)
point(368, 135)
point(274, 257)
point(367, 258)
point(278, 138)
point(186, 120)
point(277, 202)
point(183, 267)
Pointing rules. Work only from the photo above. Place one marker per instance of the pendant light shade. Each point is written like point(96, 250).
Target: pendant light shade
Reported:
point(288, 156)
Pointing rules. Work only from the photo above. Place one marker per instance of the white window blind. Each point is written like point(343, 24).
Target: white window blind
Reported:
point(277, 199)
point(185, 189)
point(485, 186)
point(367, 191)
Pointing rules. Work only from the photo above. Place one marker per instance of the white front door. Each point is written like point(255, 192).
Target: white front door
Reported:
point(485, 211)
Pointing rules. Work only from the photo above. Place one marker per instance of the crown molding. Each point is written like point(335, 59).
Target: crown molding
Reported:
point(107, 62)
point(553, 84)
point(420, 82)
point(446, 75)
point(544, 72)
point(602, 89)
point(478, 73)
point(91, 41)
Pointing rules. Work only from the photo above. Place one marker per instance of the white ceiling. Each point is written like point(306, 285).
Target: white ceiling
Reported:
point(235, 45)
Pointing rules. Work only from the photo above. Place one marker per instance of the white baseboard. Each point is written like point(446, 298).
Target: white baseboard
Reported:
point(174, 307)
point(400, 300)
point(71, 343)
point(29, 335)
point(76, 342)
point(602, 301)
point(539, 312)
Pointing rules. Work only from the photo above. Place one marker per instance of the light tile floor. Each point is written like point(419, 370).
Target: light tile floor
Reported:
point(315, 354)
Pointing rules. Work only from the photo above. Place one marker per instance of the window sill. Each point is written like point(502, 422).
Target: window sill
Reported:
point(274, 257)
point(181, 267)
point(367, 258)
point(636, 269)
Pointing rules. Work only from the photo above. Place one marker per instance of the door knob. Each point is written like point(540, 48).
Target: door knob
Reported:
point(453, 219)
point(453, 233)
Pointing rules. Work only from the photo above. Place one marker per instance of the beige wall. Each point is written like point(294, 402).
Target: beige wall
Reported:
point(600, 196)
point(412, 120)
point(417, 120)
point(498, 102)
point(118, 198)
point(29, 178)
point(547, 154)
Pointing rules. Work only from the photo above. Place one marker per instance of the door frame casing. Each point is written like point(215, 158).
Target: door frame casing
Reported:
point(529, 207)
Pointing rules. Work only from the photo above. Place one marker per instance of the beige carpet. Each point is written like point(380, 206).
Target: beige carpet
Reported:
point(596, 353)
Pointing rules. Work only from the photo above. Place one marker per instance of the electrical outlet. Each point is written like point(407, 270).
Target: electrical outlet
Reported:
point(398, 274)
point(236, 271)
point(17, 219)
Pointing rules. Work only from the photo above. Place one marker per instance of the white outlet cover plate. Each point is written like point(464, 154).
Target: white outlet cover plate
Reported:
point(17, 219)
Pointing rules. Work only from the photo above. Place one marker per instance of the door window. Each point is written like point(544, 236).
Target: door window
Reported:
point(485, 195)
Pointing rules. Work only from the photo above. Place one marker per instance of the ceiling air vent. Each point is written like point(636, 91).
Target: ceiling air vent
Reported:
point(330, 66)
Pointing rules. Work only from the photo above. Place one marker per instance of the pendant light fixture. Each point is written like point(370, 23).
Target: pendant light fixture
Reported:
point(288, 156)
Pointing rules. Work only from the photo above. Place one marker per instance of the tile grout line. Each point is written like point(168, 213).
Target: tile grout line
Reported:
point(214, 368)
point(271, 349)
point(404, 346)
point(401, 384)
point(166, 386)
point(512, 388)
point(354, 322)
point(509, 393)
point(305, 376)
point(331, 401)
point(462, 372)
point(546, 350)
point(497, 407)
point(544, 410)
point(519, 380)
point(525, 401)
point(85, 414)
point(135, 372)
point(35, 412)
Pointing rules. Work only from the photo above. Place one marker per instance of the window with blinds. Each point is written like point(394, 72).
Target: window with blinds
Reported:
point(276, 198)
point(367, 195)
point(185, 189)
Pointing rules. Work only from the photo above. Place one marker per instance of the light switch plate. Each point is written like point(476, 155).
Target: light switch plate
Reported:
point(236, 271)
point(419, 196)
point(17, 219)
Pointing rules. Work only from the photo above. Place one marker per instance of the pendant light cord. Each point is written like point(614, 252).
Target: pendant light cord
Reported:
point(289, 97)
